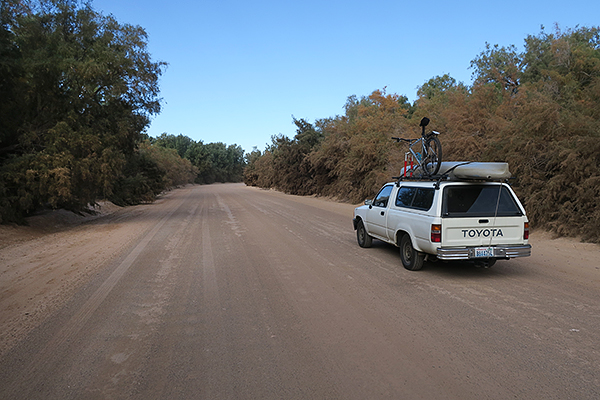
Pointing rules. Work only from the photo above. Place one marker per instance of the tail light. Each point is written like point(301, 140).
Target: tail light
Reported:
point(436, 233)
point(525, 231)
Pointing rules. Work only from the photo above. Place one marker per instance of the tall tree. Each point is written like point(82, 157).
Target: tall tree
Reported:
point(86, 89)
point(500, 65)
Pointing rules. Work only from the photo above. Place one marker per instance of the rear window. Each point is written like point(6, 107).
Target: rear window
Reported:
point(479, 201)
point(412, 197)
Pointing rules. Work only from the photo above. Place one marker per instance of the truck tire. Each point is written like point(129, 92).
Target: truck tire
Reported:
point(362, 237)
point(411, 259)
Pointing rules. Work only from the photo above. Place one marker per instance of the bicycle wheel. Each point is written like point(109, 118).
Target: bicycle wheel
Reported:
point(433, 160)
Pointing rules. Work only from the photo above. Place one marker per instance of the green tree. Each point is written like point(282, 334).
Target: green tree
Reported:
point(219, 163)
point(180, 143)
point(198, 155)
point(213, 162)
point(289, 167)
point(250, 173)
point(80, 89)
point(436, 86)
point(499, 65)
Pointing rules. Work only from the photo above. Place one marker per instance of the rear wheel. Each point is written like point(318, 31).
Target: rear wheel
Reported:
point(411, 258)
point(362, 237)
point(433, 160)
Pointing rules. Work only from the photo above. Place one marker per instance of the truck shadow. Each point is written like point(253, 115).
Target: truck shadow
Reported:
point(467, 269)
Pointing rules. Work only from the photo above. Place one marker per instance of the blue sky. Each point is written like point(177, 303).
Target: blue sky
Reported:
point(239, 70)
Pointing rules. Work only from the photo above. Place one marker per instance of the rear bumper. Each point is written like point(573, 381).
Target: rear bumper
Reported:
point(468, 253)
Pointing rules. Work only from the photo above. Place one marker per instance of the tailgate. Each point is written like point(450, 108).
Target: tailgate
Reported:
point(482, 231)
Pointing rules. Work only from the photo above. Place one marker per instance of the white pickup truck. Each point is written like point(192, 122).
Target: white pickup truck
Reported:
point(463, 215)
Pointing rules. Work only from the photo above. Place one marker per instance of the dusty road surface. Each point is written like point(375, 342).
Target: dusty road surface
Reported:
point(230, 292)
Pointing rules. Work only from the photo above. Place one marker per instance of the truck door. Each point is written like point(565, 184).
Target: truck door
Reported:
point(377, 214)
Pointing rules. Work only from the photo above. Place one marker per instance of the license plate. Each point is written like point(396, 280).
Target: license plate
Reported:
point(484, 252)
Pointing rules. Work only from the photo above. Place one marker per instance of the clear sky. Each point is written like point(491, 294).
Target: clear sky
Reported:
point(238, 70)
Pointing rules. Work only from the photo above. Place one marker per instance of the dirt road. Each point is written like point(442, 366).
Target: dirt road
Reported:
point(230, 292)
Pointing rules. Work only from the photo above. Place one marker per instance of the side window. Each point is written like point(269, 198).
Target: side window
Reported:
point(405, 196)
point(381, 200)
point(423, 199)
point(419, 198)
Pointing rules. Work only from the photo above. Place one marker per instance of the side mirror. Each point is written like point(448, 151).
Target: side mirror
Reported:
point(368, 202)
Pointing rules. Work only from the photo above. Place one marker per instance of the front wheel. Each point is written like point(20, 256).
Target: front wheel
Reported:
point(433, 158)
point(362, 237)
point(411, 258)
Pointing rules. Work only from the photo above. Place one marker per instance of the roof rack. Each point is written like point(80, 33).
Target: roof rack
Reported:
point(432, 178)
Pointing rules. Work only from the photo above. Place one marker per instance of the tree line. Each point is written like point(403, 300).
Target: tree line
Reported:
point(212, 162)
point(538, 109)
point(77, 91)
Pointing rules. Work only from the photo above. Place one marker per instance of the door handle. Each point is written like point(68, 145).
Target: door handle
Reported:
point(383, 213)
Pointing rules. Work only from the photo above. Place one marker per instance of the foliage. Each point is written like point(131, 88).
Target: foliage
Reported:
point(213, 162)
point(180, 143)
point(355, 154)
point(225, 163)
point(77, 89)
point(142, 180)
point(500, 66)
point(251, 172)
point(177, 171)
point(289, 168)
point(539, 110)
point(343, 156)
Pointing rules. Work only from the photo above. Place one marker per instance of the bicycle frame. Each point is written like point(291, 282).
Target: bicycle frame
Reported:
point(427, 155)
point(411, 155)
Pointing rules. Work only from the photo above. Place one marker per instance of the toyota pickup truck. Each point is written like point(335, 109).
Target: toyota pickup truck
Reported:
point(460, 216)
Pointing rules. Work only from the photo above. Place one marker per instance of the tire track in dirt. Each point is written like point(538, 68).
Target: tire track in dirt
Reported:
point(38, 275)
point(78, 320)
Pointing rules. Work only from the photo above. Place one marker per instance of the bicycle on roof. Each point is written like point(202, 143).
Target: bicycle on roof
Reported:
point(429, 159)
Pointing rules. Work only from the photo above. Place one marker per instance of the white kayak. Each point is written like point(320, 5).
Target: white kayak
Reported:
point(459, 170)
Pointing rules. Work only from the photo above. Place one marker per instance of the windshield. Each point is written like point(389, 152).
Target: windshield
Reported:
point(479, 201)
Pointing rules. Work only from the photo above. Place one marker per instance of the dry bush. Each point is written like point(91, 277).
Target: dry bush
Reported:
point(539, 111)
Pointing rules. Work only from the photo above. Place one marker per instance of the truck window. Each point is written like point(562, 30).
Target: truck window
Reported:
point(411, 197)
point(478, 201)
point(381, 200)
point(405, 196)
point(423, 199)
